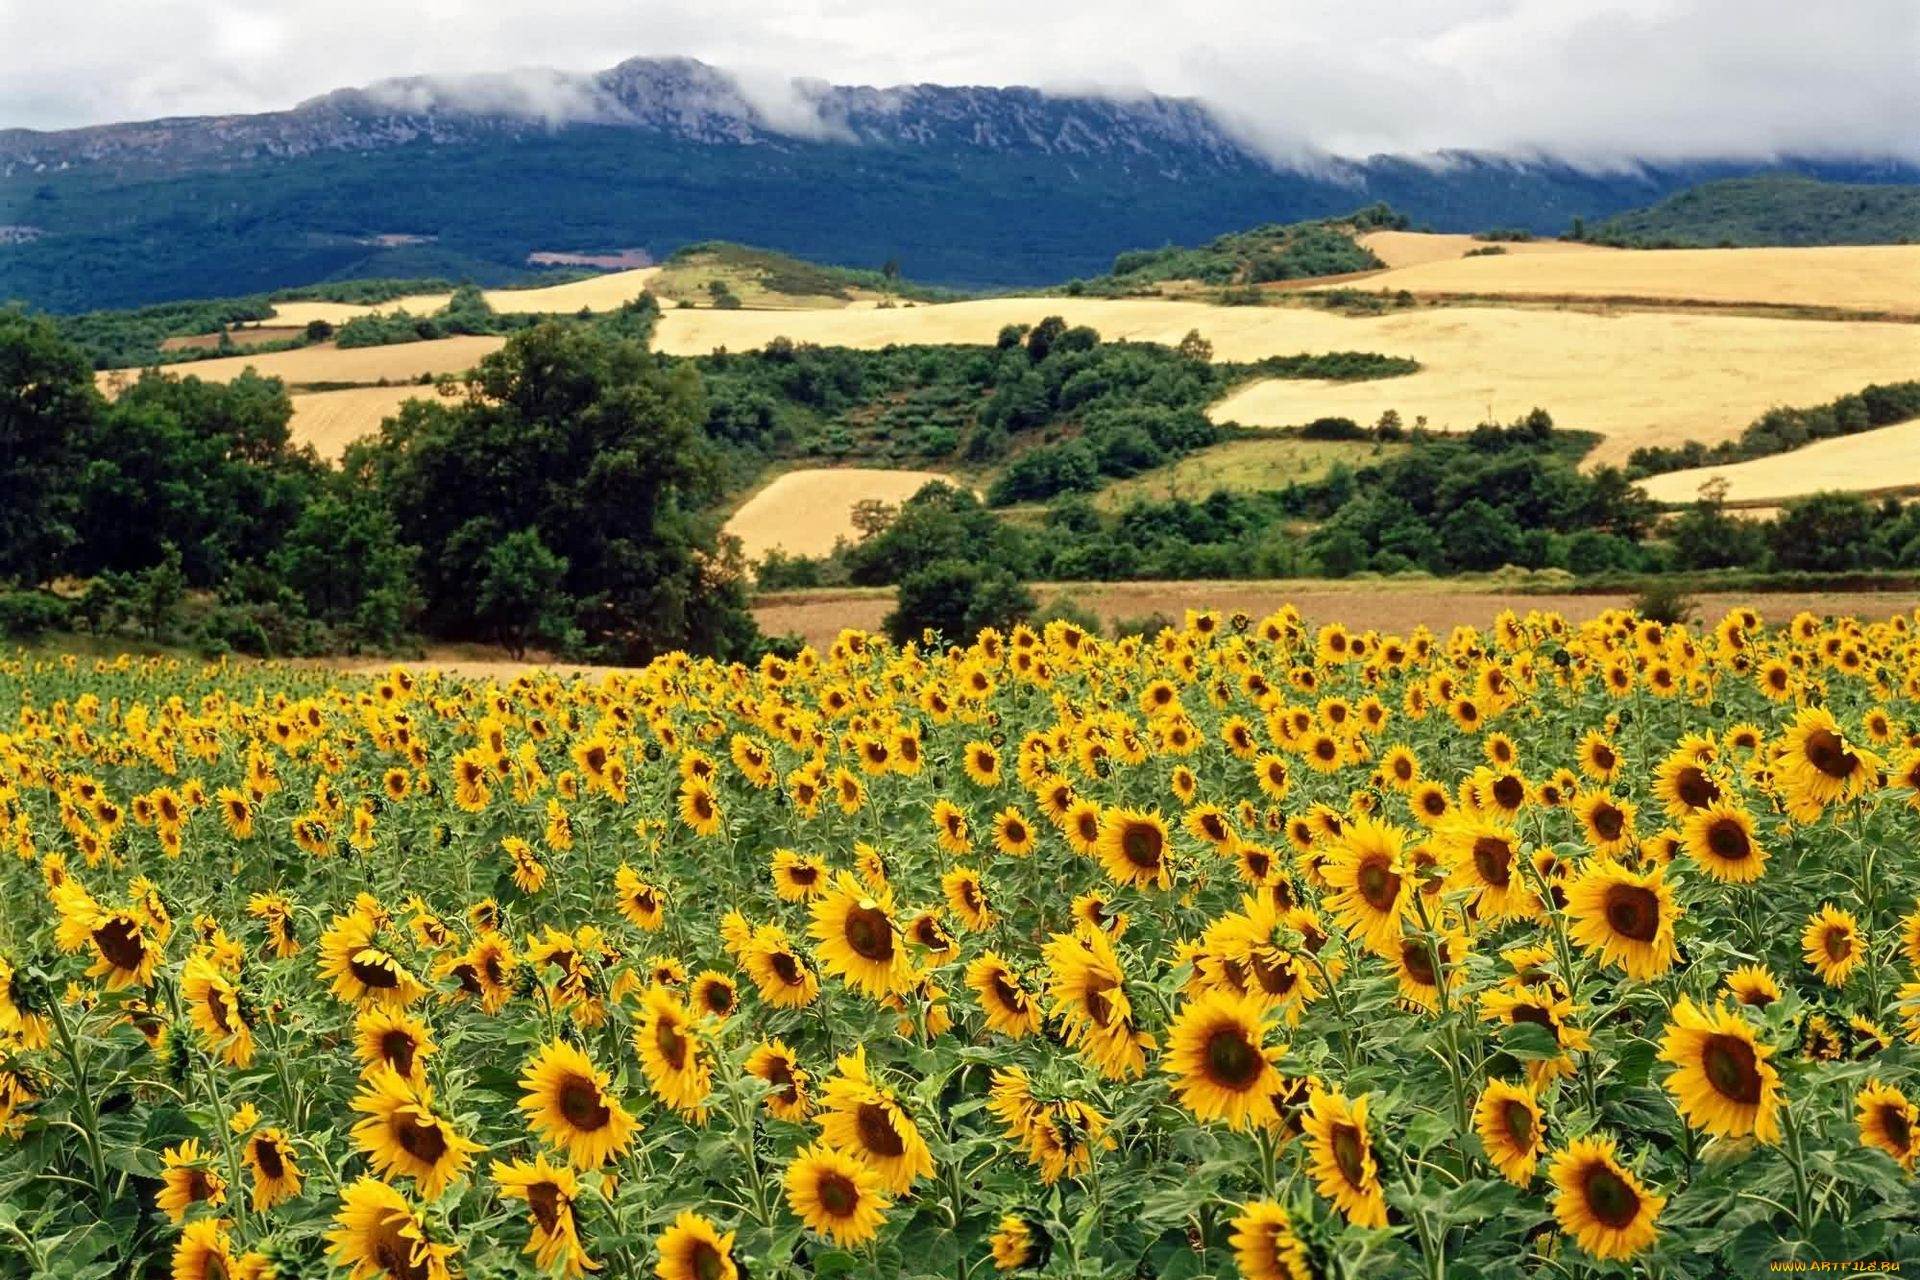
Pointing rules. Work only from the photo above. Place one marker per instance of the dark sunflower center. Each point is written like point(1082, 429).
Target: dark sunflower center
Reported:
point(1695, 789)
point(1377, 883)
point(1418, 962)
point(1509, 791)
point(120, 942)
point(1007, 993)
point(1633, 912)
point(1893, 1120)
point(1435, 804)
point(581, 1104)
point(837, 1195)
point(1516, 1118)
point(1609, 1198)
point(803, 874)
point(1603, 758)
point(702, 806)
point(1728, 840)
point(266, 1154)
point(1731, 1068)
point(395, 1254)
point(1827, 752)
point(423, 1139)
point(1099, 1008)
point(397, 1048)
point(877, 1132)
point(1326, 748)
point(718, 997)
point(1142, 845)
point(1346, 1141)
point(869, 933)
point(374, 969)
point(672, 1045)
point(786, 968)
point(1232, 1060)
point(1493, 859)
point(706, 1262)
point(1837, 942)
point(1608, 822)
point(544, 1199)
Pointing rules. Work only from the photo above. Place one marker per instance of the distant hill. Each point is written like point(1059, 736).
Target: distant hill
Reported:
point(467, 177)
point(1772, 209)
point(1261, 255)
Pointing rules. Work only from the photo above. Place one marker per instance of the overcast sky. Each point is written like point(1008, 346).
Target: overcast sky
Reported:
point(1584, 78)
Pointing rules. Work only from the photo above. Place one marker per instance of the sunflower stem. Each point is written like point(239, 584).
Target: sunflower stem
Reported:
point(1796, 1157)
point(83, 1100)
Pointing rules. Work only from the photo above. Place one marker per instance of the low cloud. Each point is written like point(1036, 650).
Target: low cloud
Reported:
point(1601, 83)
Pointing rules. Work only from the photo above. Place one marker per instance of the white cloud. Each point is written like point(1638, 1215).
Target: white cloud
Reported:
point(1598, 80)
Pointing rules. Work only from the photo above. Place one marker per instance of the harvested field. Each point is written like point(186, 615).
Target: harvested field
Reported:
point(241, 337)
point(325, 363)
point(1411, 248)
point(332, 420)
point(300, 314)
point(596, 293)
point(1243, 465)
point(1853, 277)
point(1386, 606)
point(1884, 459)
point(806, 512)
point(1638, 378)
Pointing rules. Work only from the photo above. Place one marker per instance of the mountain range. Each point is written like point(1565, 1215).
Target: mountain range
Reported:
point(965, 186)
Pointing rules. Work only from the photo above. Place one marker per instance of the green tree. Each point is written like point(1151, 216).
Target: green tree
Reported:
point(344, 560)
point(521, 595)
point(47, 401)
point(956, 598)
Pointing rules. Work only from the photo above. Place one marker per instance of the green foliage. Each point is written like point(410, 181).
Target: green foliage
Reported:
point(595, 445)
point(1783, 209)
point(127, 339)
point(1665, 603)
point(521, 594)
point(46, 399)
point(1782, 430)
point(1267, 253)
point(799, 278)
point(954, 599)
point(26, 614)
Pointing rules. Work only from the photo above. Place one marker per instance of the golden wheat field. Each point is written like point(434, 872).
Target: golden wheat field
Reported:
point(1638, 378)
point(1853, 277)
point(324, 363)
point(1883, 459)
point(806, 512)
point(1411, 248)
point(1256, 948)
point(332, 420)
point(595, 293)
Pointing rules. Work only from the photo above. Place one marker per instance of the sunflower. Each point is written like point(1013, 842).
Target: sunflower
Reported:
point(549, 1191)
point(484, 971)
point(1009, 1008)
point(1626, 916)
point(1132, 847)
point(981, 762)
point(700, 809)
point(966, 896)
point(393, 1038)
point(1265, 1246)
point(1720, 839)
point(187, 1178)
point(836, 1195)
point(1087, 988)
point(640, 902)
point(859, 941)
point(1485, 856)
point(1724, 1085)
point(1012, 833)
point(403, 1135)
point(1753, 985)
point(678, 1070)
point(203, 1252)
point(1340, 1158)
point(1419, 960)
point(714, 995)
point(862, 1118)
point(797, 877)
point(362, 973)
point(950, 827)
point(568, 1105)
point(1507, 1118)
point(1817, 763)
point(1600, 1203)
point(1607, 821)
point(782, 975)
point(693, 1249)
point(216, 1011)
point(1832, 945)
point(778, 1066)
point(1369, 890)
point(1018, 1243)
point(269, 1158)
point(1888, 1122)
point(379, 1236)
point(1217, 1054)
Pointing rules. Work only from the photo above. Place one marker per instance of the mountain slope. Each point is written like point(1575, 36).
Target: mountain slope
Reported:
point(1773, 209)
point(963, 186)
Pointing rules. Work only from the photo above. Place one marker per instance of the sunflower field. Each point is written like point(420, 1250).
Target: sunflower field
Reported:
point(1251, 948)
